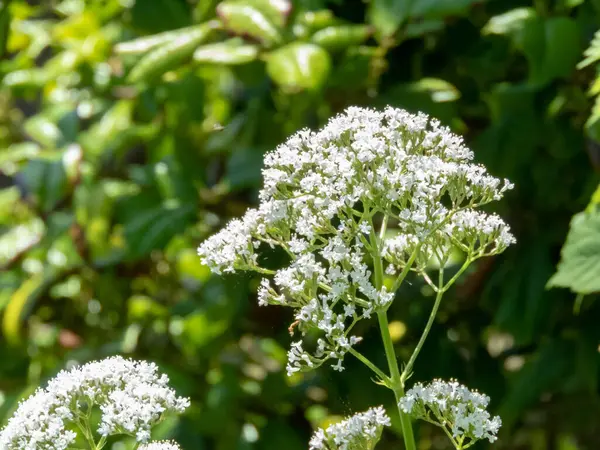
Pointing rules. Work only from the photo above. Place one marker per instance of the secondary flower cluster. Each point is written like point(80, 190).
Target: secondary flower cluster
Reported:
point(360, 431)
point(325, 192)
point(453, 406)
point(131, 395)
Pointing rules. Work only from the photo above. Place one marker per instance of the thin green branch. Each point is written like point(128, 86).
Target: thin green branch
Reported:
point(384, 378)
point(438, 299)
point(406, 269)
point(450, 282)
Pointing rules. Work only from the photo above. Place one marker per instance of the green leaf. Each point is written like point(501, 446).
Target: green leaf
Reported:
point(353, 70)
point(509, 22)
point(248, 20)
point(115, 133)
point(199, 329)
point(592, 53)
point(244, 167)
point(230, 52)
point(579, 267)
point(423, 27)
point(387, 15)
point(277, 11)
point(20, 238)
point(551, 45)
point(17, 153)
point(299, 66)
point(342, 36)
point(43, 130)
point(34, 77)
point(46, 181)
point(313, 21)
point(143, 44)
point(172, 54)
point(153, 16)
point(431, 95)
point(440, 91)
point(540, 374)
point(440, 8)
point(592, 124)
point(154, 227)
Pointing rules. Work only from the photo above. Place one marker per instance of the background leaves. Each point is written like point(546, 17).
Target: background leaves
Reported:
point(132, 130)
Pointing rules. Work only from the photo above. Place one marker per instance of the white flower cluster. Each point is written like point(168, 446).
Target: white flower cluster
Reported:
point(360, 431)
point(161, 445)
point(454, 406)
point(323, 194)
point(131, 395)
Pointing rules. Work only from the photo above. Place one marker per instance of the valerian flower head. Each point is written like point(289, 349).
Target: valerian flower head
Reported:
point(161, 445)
point(131, 395)
point(452, 406)
point(327, 200)
point(358, 432)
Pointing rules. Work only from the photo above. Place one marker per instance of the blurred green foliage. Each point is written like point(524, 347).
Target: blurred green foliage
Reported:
point(130, 130)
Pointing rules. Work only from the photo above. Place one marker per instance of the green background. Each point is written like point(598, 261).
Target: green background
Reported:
point(117, 160)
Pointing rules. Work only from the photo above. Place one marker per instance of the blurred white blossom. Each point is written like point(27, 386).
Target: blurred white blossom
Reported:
point(360, 431)
point(453, 406)
point(160, 445)
point(131, 395)
point(325, 192)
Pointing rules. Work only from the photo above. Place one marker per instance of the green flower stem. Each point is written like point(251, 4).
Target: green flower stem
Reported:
point(395, 382)
point(406, 269)
point(460, 271)
point(442, 288)
point(456, 444)
point(84, 426)
point(407, 370)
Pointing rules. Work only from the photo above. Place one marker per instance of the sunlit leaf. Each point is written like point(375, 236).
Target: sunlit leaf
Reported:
point(579, 268)
point(172, 54)
point(143, 44)
point(341, 36)
point(233, 51)
point(19, 239)
point(246, 19)
point(299, 66)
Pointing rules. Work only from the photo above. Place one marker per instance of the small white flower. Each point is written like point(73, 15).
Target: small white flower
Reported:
point(454, 406)
point(360, 431)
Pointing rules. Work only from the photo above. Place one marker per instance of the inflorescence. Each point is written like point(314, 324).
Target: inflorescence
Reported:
point(360, 431)
point(325, 192)
point(452, 406)
point(131, 395)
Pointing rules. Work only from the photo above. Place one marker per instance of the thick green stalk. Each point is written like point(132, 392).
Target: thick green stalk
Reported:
point(390, 354)
point(396, 382)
